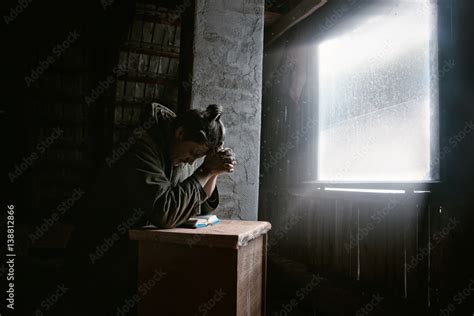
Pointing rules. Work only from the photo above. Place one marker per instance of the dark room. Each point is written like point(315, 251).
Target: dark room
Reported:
point(237, 157)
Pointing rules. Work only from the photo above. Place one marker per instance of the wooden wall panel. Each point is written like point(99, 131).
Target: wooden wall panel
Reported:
point(150, 61)
point(365, 240)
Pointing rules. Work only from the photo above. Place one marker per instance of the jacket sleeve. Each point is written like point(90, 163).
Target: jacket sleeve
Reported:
point(165, 206)
point(208, 205)
point(211, 203)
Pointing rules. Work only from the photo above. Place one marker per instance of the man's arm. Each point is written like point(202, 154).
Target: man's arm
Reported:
point(215, 163)
point(210, 185)
point(211, 200)
point(165, 205)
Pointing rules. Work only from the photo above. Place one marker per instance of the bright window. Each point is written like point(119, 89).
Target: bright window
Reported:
point(378, 97)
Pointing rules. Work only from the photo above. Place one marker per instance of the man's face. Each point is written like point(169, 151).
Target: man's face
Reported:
point(185, 151)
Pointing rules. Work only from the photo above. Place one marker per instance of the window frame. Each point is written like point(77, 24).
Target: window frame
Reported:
point(436, 141)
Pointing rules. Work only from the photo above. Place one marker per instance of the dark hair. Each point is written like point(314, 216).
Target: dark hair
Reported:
point(203, 127)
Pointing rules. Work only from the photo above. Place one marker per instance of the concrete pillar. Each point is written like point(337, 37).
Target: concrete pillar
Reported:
point(227, 70)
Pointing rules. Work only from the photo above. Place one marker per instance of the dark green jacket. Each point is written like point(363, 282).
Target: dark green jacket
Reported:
point(137, 187)
point(168, 195)
point(142, 177)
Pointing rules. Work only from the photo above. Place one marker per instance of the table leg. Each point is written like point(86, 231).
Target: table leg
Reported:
point(264, 274)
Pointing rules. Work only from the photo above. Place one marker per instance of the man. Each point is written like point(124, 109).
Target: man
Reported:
point(156, 182)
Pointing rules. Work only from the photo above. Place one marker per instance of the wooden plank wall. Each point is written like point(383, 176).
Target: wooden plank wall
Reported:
point(150, 60)
point(371, 240)
point(57, 102)
point(63, 97)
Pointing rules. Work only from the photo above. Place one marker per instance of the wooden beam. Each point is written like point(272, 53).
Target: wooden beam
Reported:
point(296, 15)
point(271, 18)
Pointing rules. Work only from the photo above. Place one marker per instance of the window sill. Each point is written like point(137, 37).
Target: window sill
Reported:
point(363, 190)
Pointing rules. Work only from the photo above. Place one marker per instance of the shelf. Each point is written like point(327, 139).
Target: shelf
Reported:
point(149, 49)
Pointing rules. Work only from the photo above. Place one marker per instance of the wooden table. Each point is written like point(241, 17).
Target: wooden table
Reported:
point(217, 270)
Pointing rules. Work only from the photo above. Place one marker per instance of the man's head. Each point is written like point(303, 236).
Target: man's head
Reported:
point(196, 133)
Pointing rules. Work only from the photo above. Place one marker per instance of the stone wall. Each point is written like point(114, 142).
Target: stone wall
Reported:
point(227, 70)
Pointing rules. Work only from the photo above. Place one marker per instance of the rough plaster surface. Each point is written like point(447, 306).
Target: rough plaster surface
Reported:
point(227, 70)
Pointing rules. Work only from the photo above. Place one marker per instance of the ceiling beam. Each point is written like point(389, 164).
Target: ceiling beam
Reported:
point(271, 18)
point(304, 9)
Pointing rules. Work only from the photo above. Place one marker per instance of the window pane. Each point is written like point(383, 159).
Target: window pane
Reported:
point(378, 97)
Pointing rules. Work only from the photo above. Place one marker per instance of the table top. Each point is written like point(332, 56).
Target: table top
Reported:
point(226, 234)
